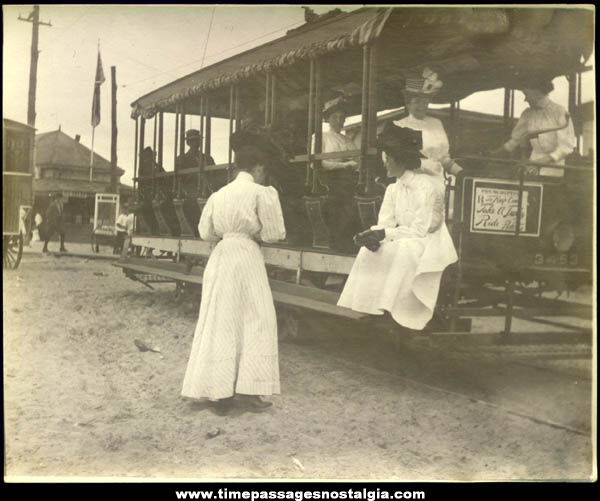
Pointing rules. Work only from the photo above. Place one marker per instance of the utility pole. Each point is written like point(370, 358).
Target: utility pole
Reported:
point(34, 18)
point(113, 135)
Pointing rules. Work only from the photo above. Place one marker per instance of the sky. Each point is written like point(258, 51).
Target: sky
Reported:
point(150, 45)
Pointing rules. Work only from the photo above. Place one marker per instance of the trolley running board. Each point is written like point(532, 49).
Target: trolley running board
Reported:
point(283, 292)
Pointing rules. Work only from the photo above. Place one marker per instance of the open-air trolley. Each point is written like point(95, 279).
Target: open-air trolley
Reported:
point(17, 189)
point(543, 238)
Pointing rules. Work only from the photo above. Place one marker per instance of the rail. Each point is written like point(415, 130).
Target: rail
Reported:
point(588, 166)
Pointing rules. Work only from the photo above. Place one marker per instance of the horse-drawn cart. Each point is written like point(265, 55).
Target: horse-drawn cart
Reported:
point(17, 190)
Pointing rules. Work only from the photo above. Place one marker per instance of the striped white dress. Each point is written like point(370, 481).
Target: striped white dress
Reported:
point(235, 343)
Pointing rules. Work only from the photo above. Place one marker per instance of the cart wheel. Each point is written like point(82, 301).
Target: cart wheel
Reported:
point(12, 251)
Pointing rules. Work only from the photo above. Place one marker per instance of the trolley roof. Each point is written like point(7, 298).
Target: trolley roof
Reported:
point(472, 48)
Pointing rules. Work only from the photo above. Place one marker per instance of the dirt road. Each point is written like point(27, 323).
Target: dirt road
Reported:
point(82, 400)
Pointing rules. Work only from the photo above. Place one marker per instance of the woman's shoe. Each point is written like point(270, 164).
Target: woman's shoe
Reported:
point(257, 404)
point(222, 406)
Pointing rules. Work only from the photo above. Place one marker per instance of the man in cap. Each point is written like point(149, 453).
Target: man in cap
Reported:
point(55, 221)
point(191, 158)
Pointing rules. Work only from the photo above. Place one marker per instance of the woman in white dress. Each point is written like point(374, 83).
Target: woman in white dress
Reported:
point(543, 114)
point(399, 267)
point(418, 93)
point(235, 344)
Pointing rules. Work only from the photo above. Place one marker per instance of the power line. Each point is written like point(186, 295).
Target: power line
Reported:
point(215, 54)
point(207, 36)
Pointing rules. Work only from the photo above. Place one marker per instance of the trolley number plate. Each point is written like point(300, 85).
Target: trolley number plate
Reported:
point(555, 260)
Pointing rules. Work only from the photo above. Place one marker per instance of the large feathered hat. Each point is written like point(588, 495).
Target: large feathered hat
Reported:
point(425, 83)
point(401, 143)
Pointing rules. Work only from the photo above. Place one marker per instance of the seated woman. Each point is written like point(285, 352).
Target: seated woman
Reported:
point(403, 257)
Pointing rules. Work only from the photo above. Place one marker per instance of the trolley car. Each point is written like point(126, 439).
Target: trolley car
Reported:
point(544, 239)
point(17, 189)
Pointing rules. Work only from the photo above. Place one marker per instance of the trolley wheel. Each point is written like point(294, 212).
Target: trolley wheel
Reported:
point(12, 251)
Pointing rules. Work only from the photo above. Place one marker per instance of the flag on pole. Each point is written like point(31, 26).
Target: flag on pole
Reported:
point(97, 83)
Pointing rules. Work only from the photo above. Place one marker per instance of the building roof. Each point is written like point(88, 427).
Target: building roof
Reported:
point(59, 149)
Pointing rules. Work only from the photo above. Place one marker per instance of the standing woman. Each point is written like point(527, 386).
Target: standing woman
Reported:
point(400, 265)
point(235, 344)
point(418, 93)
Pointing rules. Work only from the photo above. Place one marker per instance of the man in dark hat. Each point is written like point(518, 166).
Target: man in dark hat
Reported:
point(191, 159)
point(55, 221)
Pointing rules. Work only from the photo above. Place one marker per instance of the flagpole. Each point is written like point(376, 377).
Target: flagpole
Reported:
point(93, 121)
point(92, 153)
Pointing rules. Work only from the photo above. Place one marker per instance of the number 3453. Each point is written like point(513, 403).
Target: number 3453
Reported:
point(556, 259)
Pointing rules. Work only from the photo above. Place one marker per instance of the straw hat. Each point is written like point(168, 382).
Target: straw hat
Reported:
point(426, 84)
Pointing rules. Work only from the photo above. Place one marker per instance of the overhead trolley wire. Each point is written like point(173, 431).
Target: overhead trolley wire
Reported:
point(215, 54)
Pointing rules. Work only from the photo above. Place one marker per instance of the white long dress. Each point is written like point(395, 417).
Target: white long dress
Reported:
point(235, 343)
point(435, 144)
point(403, 275)
point(557, 144)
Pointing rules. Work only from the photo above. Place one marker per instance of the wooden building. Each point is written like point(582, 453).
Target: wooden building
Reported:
point(62, 164)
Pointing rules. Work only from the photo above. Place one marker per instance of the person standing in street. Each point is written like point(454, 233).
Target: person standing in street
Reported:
point(235, 352)
point(55, 222)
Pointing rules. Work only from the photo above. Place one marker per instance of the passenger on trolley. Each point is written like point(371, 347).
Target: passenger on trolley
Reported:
point(235, 344)
point(418, 93)
point(552, 146)
point(399, 266)
point(190, 159)
point(340, 183)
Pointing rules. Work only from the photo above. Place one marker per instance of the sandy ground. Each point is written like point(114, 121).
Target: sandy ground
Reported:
point(82, 400)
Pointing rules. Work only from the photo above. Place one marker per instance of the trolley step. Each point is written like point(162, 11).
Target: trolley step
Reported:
point(286, 293)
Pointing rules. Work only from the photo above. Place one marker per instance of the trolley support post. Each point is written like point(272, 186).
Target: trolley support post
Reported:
point(160, 138)
point(229, 153)
point(273, 117)
point(318, 128)
point(372, 113)
point(311, 91)
point(364, 139)
point(175, 149)
point(135, 154)
point(200, 178)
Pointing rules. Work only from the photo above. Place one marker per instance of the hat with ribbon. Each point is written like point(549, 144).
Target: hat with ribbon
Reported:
point(426, 84)
point(333, 105)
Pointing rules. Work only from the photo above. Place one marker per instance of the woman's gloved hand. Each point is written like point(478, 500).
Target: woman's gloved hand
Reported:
point(370, 239)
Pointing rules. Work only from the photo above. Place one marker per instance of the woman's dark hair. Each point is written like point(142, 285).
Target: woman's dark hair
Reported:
point(411, 162)
point(402, 144)
point(543, 85)
point(247, 157)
